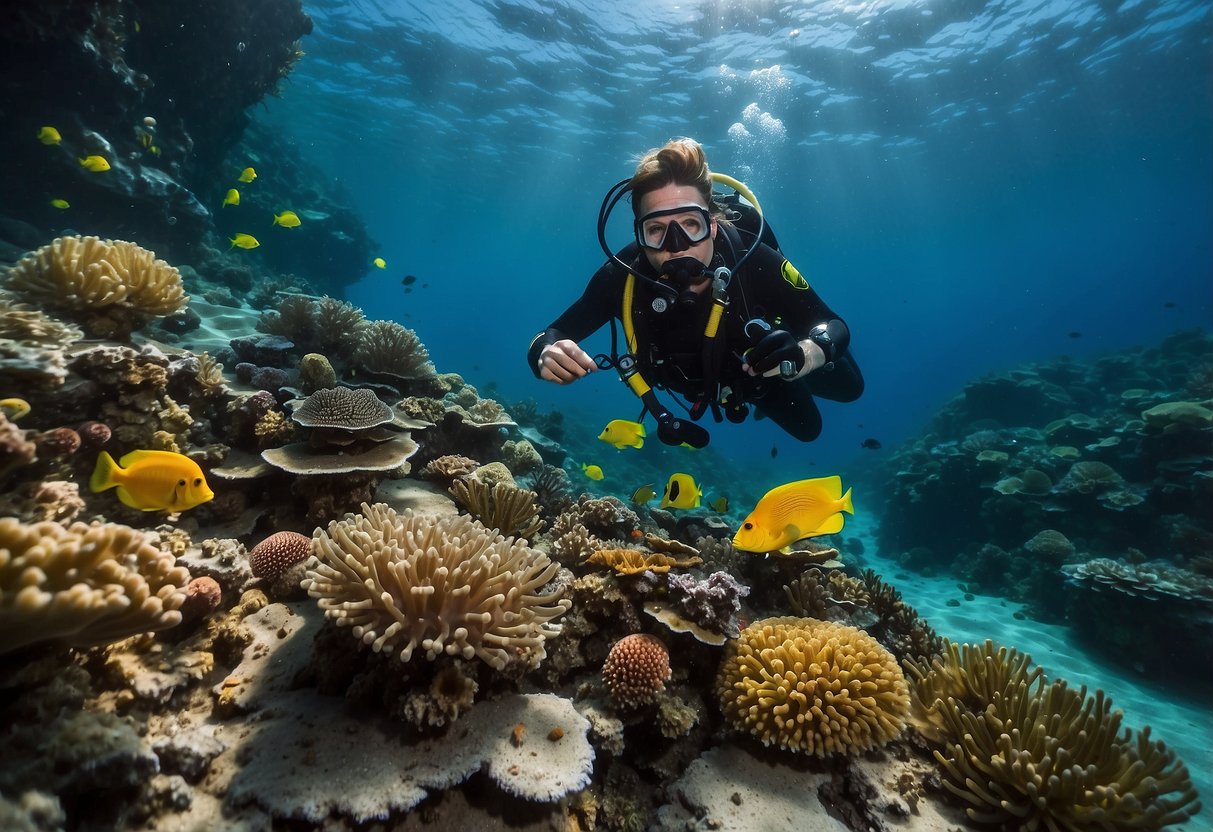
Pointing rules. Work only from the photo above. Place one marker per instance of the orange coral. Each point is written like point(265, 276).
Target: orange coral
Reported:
point(634, 561)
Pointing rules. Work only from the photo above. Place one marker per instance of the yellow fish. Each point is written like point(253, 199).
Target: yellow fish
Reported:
point(623, 434)
point(155, 149)
point(152, 480)
point(287, 219)
point(49, 135)
point(244, 241)
point(247, 175)
point(643, 494)
point(60, 204)
point(95, 163)
point(14, 408)
point(681, 492)
point(791, 512)
point(592, 471)
point(231, 198)
point(380, 263)
point(720, 505)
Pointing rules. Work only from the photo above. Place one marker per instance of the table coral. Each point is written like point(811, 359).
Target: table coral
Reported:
point(404, 582)
point(812, 686)
point(83, 584)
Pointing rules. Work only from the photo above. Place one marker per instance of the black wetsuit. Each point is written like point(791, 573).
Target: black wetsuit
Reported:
point(670, 344)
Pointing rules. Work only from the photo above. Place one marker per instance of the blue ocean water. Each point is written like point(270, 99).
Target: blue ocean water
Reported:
point(970, 187)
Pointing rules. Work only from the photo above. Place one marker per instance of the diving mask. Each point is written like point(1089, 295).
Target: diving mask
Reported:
point(689, 224)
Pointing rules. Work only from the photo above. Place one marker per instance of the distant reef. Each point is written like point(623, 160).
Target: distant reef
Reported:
point(161, 92)
point(1079, 488)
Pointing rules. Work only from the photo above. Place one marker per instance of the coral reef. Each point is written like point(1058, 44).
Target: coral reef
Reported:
point(83, 584)
point(505, 508)
point(812, 686)
point(404, 582)
point(1019, 751)
point(109, 287)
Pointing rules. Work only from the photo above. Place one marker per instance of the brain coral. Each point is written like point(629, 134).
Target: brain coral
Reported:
point(111, 287)
point(404, 582)
point(812, 686)
point(83, 584)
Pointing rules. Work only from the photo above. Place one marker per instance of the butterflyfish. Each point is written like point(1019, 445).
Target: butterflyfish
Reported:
point(681, 492)
point(720, 505)
point(592, 471)
point(244, 241)
point(287, 219)
point(380, 263)
point(49, 135)
point(644, 493)
point(95, 163)
point(152, 480)
point(247, 175)
point(232, 197)
point(623, 434)
point(794, 511)
point(61, 204)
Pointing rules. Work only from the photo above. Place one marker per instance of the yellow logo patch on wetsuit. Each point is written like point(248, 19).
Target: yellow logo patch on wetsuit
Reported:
point(793, 277)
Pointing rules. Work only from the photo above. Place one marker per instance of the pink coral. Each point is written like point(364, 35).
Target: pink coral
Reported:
point(636, 670)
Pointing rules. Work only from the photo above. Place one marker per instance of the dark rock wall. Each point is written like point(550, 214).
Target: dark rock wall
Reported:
point(162, 91)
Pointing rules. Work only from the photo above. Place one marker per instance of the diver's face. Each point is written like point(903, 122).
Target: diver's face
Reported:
point(672, 196)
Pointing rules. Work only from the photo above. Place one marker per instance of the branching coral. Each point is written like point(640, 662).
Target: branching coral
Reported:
point(405, 582)
point(111, 287)
point(83, 584)
point(970, 676)
point(1052, 757)
point(388, 348)
point(321, 325)
point(812, 686)
point(605, 517)
point(504, 507)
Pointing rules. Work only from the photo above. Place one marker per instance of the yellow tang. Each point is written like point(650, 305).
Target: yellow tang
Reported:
point(681, 492)
point(287, 219)
point(244, 241)
point(592, 471)
point(247, 175)
point(380, 263)
point(623, 434)
point(95, 163)
point(794, 511)
point(61, 204)
point(152, 480)
point(232, 197)
point(49, 135)
point(643, 494)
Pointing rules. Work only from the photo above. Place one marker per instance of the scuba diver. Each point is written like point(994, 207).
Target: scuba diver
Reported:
point(711, 310)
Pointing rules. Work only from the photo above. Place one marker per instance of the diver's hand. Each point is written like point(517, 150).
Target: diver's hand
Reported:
point(767, 357)
point(564, 362)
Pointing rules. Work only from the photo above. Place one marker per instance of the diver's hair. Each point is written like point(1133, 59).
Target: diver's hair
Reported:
point(681, 161)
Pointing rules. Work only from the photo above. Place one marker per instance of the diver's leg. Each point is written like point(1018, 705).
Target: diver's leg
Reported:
point(844, 383)
point(791, 406)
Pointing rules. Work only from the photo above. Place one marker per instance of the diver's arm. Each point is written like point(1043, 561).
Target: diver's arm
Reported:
point(809, 333)
point(554, 354)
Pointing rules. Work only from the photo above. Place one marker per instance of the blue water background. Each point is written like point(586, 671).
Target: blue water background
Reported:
point(965, 185)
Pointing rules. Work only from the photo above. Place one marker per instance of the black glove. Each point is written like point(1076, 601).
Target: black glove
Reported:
point(772, 350)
